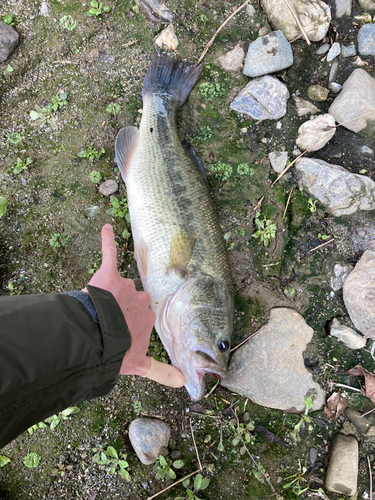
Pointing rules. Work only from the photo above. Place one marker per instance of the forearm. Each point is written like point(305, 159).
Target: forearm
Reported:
point(53, 353)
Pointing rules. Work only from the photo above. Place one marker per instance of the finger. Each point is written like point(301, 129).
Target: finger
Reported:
point(108, 248)
point(164, 374)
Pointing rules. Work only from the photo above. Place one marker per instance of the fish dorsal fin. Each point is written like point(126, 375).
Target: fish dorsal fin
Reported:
point(126, 142)
point(194, 156)
point(182, 247)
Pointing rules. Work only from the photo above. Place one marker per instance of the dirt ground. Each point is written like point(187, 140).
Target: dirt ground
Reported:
point(50, 239)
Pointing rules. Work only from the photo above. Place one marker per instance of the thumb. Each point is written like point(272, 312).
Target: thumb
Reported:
point(164, 374)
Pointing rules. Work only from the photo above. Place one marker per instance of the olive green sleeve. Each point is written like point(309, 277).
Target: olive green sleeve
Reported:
point(53, 353)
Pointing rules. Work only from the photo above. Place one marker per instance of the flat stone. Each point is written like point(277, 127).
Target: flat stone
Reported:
point(342, 472)
point(333, 71)
point(8, 40)
point(347, 335)
point(351, 107)
point(148, 437)
point(366, 40)
point(232, 60)
point(268, 54)
point(343, 8)
point(316, 132)
point(314, 15)
point(365, 150)
point(341, 192)
point(348, 51)
point(367, 4)
point(334, 51)
point(364, 424)
point(317, 93)
point(359, 293)
point(278, 160)
point(108, 187)
point(363, 236)
point(263, 99)
point(250, 10)
point(269, 369)
point(339, 275)
point(305, 107)
point(323, 49)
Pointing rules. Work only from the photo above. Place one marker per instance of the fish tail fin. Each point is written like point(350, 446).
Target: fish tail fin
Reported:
point(171, 76)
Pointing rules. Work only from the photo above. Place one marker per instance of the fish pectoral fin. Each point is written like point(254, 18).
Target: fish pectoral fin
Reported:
point(126, 142)
point(141, 256)
point(182, 247)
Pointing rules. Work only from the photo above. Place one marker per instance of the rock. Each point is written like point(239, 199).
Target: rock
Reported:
point(365, 150)
point(359, 293)
point(232, 60)
point(8, 40)
point(317, 93)
point(334, 51)
point(366, 40)
point(263, 99)
point(269, 369)
point(342, 472)
point(348, 51)
point(250, 10)
point(268, 54)
point(44, 9)
point(316, 132)
point(363, 236)
point(367, 4)
point(340, 273)
point(341, 192)
point(356, 98)
point(323, 49)
point(108, 187)
point(305, 107)
point(263, 32)
point(364, 424)
point(167, 39)
point(315, 17)
point(359, 62)
point(364, 18)
point(333, 71)
point(148, 437)
point(343, 8)
point(334, 87)
point(278, 160)
point(347, 335)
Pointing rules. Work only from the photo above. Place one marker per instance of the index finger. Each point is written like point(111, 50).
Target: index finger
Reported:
point(108, 248)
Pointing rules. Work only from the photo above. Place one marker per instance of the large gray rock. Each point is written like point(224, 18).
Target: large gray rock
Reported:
point(354, 106)
point(366, 40)
point(359, 295)
point(148, 437)
point(342, 469)
point(8, 40)
point(341, 192)
point(269, 369)
point(367, 4)
point(268, 54)
point(316, 132)
point(263, 99)
point(315, 17)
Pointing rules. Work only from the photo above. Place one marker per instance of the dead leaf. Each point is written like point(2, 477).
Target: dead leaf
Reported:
point(359, 371)
point(335, 405)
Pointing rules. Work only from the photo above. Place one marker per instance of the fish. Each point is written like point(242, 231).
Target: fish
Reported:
point(178, 243)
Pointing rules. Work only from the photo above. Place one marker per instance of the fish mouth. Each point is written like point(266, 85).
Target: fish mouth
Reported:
point(203, 362)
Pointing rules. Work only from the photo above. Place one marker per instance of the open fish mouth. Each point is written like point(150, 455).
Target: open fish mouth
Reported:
point(204, 363)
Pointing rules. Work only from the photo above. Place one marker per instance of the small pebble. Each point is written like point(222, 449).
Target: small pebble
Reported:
point(348, 51)
point(367, 151)
point(334, 87)
point(323, 49)
point(334, 51)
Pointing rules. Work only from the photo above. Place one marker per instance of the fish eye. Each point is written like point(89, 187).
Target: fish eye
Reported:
point(224, 345)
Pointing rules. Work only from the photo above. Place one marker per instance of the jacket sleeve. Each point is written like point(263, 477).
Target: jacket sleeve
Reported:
point(54, 353)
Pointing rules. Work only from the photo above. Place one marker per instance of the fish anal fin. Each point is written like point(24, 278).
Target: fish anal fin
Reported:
point(182, 247)
point(126, 142)
point(141, 256)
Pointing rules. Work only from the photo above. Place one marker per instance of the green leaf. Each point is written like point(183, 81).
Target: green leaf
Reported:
point(235, 442)
point(162, 461)
point(205, 483)
point(14, 138)
point(93, 3)
point(4, 460)
point(198, 481)
point(178, 464)
point(32, 460)
point(3, 206)
point(125, 474)
point(186, 482)
point(55, 422)
point(123, 464)
point(9, 69)
point(172, 474)
point(112, 452)
point(363, 171)
point(70, 411)
point(106, 9)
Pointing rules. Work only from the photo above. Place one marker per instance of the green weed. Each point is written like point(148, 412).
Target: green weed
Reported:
point(97, 9)
point(311, 205)
point(58, 240)
point(68, 23)
point(46, 115)
point(91, 153)
point(164, 468)
point(119, 208)
point(32, 460)
point(95, 176)
point(4, 460)
point(244, 169)
point(266, 229)
point(14, 138)
point(97, 263)
point(221, 171)
point(200, 483)
point(113, 108)
point(111, 458)
point(20, 166)
point(211, 90)
point(3, 206)
point(9, 19)
point(137, 405)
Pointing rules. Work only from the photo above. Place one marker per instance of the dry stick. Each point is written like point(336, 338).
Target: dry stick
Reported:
point(367, 413)
point(257, 465)
point(369, 469)
point(298, 21)
point(174, 484)
point(347, 387)
point(212, 390)
point(195, 446)
point(320, 246)
point(248, 338)
point(218, 31)
point(130, 43)
point(287, 203)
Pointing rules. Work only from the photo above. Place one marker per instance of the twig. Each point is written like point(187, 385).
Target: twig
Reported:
point(369, 469)
point(174, 484)
point(297, 21)
point(257, 465)
point(347, 387)
point(195, 445)
point(218, 31)
point(130, 43)
point(246, 340)
point(65, 62)
point(320, 246)
point(287, 203)
point(367, 413)
point(270, 265)
point(212, 390)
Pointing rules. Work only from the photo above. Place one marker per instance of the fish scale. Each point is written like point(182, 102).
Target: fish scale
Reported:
point(179, 247)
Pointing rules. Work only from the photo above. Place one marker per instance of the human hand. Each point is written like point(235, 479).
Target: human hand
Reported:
point(139, 318)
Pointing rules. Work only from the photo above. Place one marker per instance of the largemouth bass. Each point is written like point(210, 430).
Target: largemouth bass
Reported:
point(178, 244)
